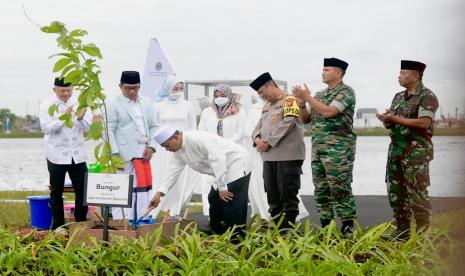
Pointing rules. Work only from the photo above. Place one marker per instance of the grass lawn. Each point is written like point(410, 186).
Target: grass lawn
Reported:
point(22, 134)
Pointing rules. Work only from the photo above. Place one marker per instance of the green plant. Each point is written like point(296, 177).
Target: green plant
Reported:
point(77, 65)
point(306, 251)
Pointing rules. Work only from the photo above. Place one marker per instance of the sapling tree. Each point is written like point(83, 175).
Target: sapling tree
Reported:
point(77, 64)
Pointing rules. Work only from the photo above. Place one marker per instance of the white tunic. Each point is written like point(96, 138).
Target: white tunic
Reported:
point(233, 129)
point(180, 115)
point(257, 194)
point(63, 144)
point(209, 154)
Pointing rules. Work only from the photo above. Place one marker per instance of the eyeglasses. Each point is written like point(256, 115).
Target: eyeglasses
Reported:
point(129, 88)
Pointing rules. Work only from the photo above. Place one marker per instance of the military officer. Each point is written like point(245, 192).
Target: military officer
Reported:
point(278, 137)
point(333, 143)
point(410, 120)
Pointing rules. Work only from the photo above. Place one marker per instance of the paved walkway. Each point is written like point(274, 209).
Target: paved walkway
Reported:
point(371, 210)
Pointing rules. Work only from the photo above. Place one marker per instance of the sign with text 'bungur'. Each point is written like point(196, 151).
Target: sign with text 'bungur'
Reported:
point(114, 190)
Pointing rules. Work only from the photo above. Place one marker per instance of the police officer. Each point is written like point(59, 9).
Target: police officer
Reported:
point(278, 136)
point(333, 144)
point(410, 120)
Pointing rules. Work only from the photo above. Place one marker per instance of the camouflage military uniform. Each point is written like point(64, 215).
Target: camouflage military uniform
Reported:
point(410, 150)
point(333, 154)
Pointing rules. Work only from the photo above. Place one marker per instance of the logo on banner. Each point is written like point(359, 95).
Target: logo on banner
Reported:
point(158, 66)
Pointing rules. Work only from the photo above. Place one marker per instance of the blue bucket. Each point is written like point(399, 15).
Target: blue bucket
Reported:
point(41, 212)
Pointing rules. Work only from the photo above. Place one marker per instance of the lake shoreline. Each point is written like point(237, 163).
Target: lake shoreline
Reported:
point(359, 131)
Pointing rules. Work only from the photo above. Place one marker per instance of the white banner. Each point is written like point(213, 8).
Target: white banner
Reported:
point(108, 189)
point(157, 67)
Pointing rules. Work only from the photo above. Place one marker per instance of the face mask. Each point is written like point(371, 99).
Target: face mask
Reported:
point(220, 101)
point(176, 96)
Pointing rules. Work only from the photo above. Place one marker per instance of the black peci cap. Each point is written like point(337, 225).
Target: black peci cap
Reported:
point(335, 62)
point(260, 81)
point(60, 82)
point(130, 77)
point(412, 65)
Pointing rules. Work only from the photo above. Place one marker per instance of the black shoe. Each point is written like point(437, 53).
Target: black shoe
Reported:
point(285, 233)
point(402, 233)
point(398, 234)
point(205, 229)
point(324, 222)
point(347, 229)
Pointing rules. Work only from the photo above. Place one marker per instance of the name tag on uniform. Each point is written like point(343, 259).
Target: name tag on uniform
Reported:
point(290, 107)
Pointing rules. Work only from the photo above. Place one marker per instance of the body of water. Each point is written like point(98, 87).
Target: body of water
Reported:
point(23, 166)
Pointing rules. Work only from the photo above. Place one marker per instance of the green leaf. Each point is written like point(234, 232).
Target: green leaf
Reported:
point(73, 56)
point(52, 109)
point(78, 32)
point(65, 117)
point(54, 27)
point(101, 96)
point(64, 43)
point(74, 77)
point(90, 100)
point(83, 96)
point(60, 64)
point(97, 151)
point(67, 69)
point(92, 50)
point(117, 162)
point(95, 131)
point(69, 123)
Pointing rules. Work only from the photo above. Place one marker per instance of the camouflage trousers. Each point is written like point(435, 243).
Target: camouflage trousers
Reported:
point(407, 184)
point(332, 176)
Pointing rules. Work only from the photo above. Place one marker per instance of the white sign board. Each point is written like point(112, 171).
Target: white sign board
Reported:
point(108, 189)
point(157, 67)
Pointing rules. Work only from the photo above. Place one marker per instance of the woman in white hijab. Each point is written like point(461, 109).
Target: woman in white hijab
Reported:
point(172, 109)
point(226, 118)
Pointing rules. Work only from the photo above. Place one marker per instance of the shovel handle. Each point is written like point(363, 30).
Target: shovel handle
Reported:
point(145, 214)
point(186, 213)
point(165, 218)
point(98, 216)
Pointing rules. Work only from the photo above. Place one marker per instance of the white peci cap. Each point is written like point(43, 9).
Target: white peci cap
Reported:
point(164, 133)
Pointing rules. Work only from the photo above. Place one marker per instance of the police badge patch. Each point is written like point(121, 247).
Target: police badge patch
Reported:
point(290, 107)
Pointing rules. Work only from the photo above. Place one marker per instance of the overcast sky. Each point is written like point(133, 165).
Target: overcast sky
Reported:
point(240, 39)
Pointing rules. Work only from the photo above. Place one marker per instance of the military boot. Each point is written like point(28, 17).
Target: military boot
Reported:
point(422, 221)
point(324, 222)
point(402, 233)
point(347, 229)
